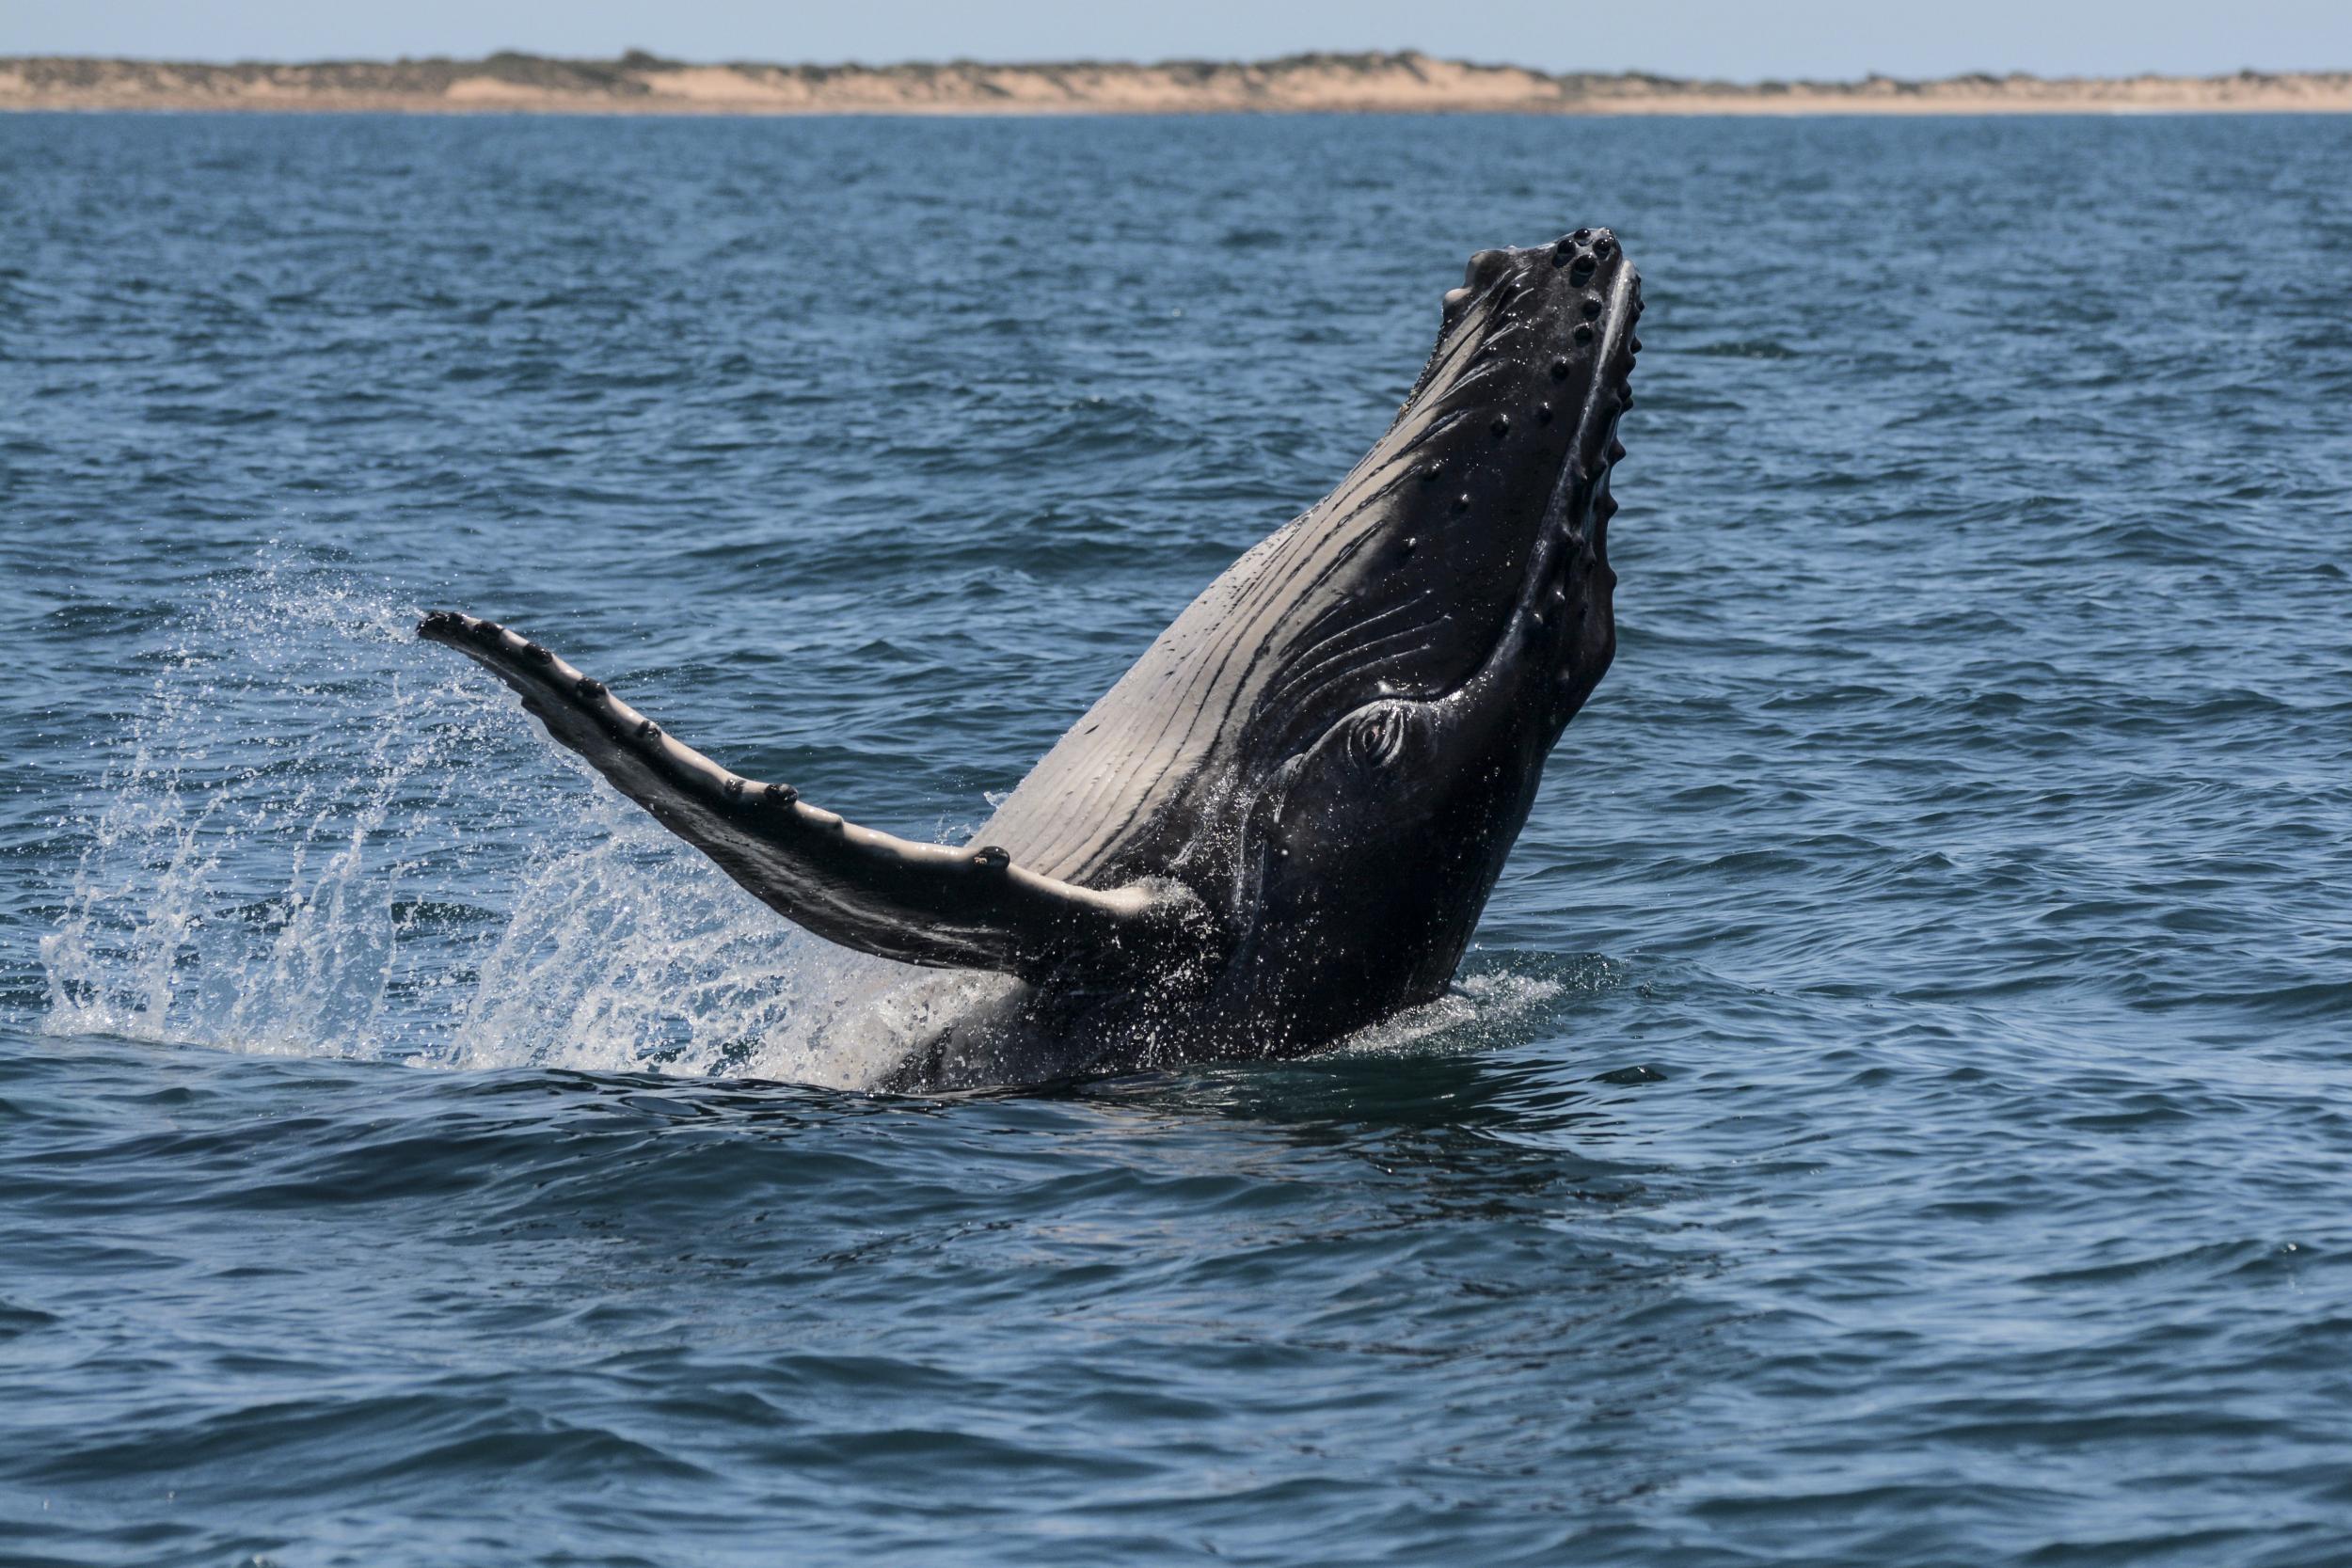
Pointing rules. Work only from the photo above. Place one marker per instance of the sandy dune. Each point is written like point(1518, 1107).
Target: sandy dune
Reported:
point(1410, 81)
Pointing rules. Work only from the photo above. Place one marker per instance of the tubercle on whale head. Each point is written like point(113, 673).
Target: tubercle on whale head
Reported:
point(1544, 334)
point(1548, 330)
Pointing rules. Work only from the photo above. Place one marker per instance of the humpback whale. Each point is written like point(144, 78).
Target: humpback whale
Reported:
point(1281, 824)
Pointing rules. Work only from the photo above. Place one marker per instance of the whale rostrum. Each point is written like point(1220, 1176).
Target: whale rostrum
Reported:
point(1281, 824)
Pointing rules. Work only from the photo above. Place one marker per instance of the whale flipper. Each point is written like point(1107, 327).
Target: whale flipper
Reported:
point(918, 903)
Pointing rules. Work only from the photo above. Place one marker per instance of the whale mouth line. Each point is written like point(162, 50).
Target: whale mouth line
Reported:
point(1606, 401)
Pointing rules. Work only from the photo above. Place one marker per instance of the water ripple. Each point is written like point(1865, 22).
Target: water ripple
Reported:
point(1894, 1112)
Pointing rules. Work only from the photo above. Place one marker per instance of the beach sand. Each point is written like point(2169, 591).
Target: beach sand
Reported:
point(1397, 83)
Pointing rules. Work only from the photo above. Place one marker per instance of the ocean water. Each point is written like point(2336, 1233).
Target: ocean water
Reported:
point(1899, 1110)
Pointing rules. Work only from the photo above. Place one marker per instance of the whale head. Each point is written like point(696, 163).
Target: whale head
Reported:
point(1468, 616)
point(1470, 544)
point(1336, 744)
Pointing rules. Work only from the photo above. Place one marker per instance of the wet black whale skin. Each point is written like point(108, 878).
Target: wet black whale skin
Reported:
point(1283, 822)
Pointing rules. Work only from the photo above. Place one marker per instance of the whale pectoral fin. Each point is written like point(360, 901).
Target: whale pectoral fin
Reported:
point(918, 903)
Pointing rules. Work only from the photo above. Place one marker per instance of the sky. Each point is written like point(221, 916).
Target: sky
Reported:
point(1743, 39)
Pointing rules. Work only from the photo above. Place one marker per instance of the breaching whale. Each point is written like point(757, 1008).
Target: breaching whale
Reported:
point(1282, 823)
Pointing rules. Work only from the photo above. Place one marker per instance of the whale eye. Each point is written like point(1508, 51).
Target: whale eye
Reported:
point(1377, 736)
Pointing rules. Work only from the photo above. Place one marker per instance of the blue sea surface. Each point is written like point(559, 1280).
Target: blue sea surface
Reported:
point(1899, 1110)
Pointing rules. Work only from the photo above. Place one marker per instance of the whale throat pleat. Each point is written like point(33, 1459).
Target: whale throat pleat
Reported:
point(1180, 712)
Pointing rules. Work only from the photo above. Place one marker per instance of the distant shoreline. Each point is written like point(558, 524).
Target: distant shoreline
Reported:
point(1388, 83)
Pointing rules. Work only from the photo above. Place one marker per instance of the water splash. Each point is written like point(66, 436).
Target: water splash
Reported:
point(1502, 999)
point(316, 844)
